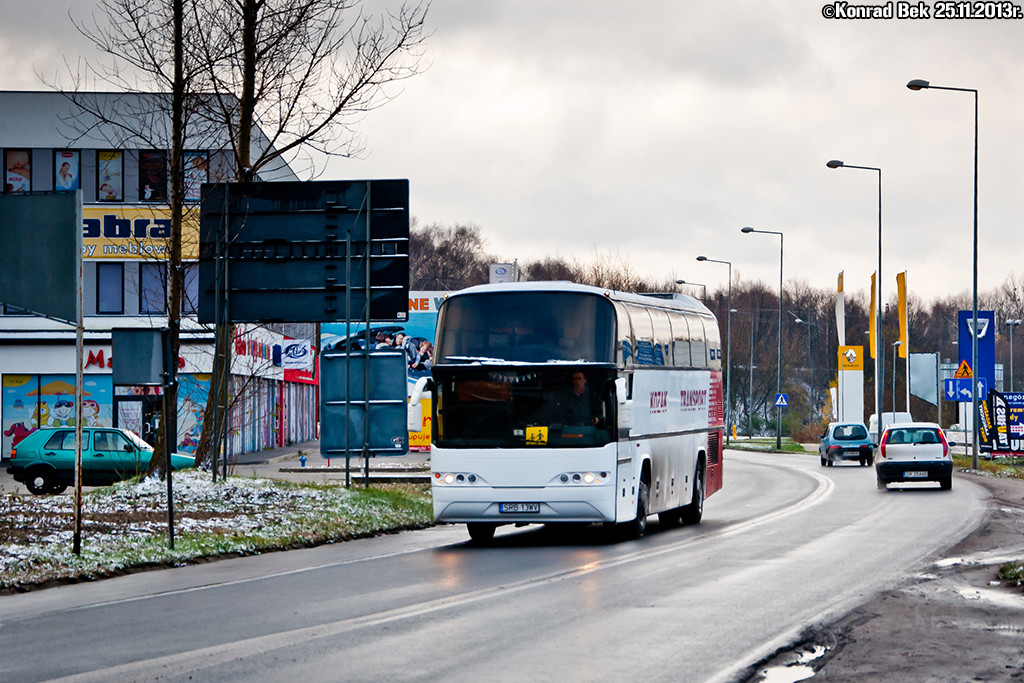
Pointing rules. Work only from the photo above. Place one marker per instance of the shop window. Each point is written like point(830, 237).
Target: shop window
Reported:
point(190, 295)
point(152, 288)
point(197, 172)
point(67, 170)
point(110, 175)
point(153, 176)
point(17, 170)
point(110, 288)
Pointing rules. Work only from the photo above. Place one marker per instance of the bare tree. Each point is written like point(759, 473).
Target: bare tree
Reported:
point(273, 80)
point(297, 75)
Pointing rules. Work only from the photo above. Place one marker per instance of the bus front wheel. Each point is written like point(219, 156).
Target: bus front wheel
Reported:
point(637, 527)
point(481, 532)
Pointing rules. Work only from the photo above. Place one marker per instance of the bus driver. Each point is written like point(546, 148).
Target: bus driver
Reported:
point(578, 405)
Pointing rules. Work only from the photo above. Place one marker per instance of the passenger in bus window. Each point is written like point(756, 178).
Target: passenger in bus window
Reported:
point(579, 405)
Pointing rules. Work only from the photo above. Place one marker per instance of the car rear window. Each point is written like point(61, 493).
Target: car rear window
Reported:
point(850, 432)
point(911, 435)
point(65, 441)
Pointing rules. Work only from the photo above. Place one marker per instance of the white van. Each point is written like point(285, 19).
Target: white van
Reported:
point(887, 419)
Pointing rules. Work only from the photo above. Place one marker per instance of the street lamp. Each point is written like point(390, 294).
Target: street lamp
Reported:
point(704, 288)
point(920, 84)
point(895, 348)
point(778, 390)
point(1012, 324)
point(879, 347)
point(728, 352)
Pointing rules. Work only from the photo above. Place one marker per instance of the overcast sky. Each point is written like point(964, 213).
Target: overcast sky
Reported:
point(656, 130)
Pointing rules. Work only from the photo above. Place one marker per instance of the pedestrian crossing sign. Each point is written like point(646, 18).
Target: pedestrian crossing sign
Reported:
point(781, 401)
point(964, 371)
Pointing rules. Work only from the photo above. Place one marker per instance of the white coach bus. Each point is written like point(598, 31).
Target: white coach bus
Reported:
point(556, 402)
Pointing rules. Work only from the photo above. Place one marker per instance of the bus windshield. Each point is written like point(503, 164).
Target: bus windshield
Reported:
point(532, 327)
point(518, 407)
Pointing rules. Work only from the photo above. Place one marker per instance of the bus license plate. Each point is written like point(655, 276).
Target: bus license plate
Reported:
point(915, 475)
point(518, 507)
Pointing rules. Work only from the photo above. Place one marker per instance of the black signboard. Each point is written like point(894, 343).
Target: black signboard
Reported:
point(304, 251)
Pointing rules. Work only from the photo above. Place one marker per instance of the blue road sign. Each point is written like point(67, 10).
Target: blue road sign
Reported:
point(959, 389)
point(986, 334)
point(781, 400)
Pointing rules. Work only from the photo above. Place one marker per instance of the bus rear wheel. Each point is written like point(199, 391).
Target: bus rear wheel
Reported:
point(481, 532)
point(692, 513)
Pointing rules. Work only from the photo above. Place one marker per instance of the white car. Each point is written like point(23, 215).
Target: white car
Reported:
point(914, 451)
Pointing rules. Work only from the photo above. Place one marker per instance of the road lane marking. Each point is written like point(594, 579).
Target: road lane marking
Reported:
point(216, 655)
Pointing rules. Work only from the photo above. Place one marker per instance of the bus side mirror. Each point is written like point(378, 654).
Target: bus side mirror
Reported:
point(423, 385)
point(621, 390)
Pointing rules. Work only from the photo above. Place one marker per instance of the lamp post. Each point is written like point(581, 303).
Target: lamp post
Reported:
point(1012, 324)
point(728, 352)
point(704, 288)
point(920, 84)
point(778, 390)
point(895, 348)
point(879, 344)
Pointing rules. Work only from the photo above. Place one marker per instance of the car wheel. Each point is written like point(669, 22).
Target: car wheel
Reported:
point(871, 460)
point(58, 489)
point(823, 461)
point(692, 513)
point(481, 532)
point(881, 484)
point(946, 483)
point(39, 482)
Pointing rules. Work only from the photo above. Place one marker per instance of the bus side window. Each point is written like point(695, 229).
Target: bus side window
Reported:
point(624, 343)
point(698, 345)
point(662, 337)
point(680, 340)
point(714, 343)
point(643, 333)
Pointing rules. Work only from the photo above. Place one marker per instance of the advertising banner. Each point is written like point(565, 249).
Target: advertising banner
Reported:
point(135, 232)
point(1001, 425)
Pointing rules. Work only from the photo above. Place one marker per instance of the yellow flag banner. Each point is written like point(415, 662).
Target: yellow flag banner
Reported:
point(841, 311)
point(901, 292)
point(871, 321)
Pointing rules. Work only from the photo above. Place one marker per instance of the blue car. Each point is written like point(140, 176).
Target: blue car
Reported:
point(45, 459)
point(846, 441)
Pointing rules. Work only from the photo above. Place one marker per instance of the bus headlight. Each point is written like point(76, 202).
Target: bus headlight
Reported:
point(583, 478)
point(449, 478)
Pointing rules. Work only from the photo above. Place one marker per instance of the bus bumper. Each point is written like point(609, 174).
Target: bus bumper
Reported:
point(594, 503)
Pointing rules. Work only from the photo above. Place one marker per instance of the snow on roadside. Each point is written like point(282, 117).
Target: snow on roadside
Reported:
point(126, 525)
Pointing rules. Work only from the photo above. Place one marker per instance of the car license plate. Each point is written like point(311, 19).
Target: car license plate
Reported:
point(914, 474)
point(518, 507)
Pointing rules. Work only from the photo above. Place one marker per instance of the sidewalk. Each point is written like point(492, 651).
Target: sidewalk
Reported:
point(286, 464)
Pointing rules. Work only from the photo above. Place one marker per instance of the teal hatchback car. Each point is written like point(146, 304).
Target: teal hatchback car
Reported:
point(45, 459)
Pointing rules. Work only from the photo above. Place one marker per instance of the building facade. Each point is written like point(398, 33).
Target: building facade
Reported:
point(49, 144)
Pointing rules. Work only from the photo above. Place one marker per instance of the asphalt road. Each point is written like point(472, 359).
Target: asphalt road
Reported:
point(785, 544)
